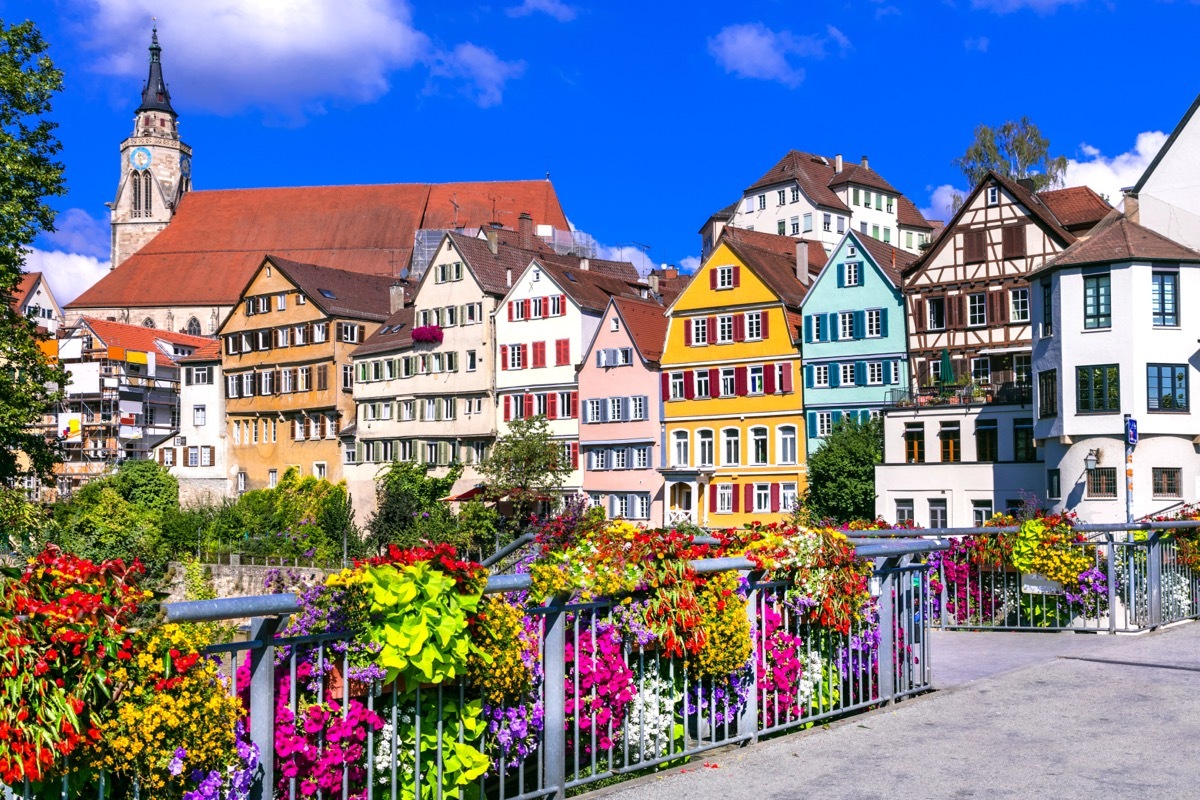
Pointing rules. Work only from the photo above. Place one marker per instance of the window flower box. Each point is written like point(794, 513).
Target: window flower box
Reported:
point(428, 334)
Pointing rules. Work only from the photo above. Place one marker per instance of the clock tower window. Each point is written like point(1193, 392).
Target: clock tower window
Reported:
point(136, 180)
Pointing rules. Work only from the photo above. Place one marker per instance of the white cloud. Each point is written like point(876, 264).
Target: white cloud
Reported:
point(1108, 176)
point(69, 274)
point(485, 73)
point(290, 57)
point(689, 265)
point(1007, 6)
point(941, 202)
point(78, 232)
point(979, 45)
point(627, 252)
point(752, 50)
point(555, 8)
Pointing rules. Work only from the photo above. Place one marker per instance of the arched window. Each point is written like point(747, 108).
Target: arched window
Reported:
point(705, 449)
point(148, 323)
point(147, 203)
point(135, 181)
point(679, 449)
point(193, 327)
point(758, 445)
point(787, 444)
point(731, 447)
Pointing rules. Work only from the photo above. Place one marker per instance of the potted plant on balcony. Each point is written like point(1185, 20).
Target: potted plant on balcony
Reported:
point(428, 334)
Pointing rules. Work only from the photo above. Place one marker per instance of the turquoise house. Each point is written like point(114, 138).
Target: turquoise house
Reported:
point(854, 353)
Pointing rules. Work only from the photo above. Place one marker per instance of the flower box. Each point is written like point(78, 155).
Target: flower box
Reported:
point(428, 334)
point(1033, 583)
point(335, 685)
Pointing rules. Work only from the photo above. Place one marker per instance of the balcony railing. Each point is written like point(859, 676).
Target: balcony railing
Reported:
point(1001, 394)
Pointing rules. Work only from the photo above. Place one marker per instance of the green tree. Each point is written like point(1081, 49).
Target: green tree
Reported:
point(841, 474)
point(148, 485)
point(410, 507)
point(1015, 149)
point(525, 465)
point(29, 174)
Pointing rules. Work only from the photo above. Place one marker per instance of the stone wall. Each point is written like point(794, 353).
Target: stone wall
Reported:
point(242, 580)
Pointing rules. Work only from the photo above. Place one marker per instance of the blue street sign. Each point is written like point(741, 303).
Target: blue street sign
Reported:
point(1131, 435)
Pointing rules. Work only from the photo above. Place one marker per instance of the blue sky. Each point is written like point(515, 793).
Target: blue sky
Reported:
point(648, 116)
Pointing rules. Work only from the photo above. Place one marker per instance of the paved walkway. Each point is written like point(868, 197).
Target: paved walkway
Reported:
point(1059, 716)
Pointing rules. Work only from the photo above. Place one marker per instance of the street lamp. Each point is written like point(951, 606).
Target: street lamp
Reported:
point(1092, 459)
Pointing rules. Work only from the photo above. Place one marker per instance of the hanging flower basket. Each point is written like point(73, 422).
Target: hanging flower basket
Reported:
point(428, 334)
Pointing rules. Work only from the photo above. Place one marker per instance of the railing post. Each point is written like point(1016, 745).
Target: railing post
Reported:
point(1112, 583)
point(262, 704)
point(748, 719)
point(887, 630)
point(554, 727)
point(1154, 578)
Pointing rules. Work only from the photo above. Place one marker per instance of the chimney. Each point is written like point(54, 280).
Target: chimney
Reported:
point(395, 297)
point(585, 264)
point(1027, 184)
point(865, 164)
point(652, 282)
point(837, 164)
point(493, 240)
point(802, 261)
point(525, 231)
point(1130, 205)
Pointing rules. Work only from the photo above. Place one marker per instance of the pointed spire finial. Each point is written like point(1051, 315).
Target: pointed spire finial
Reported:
point(155, 49)
point(155, 96)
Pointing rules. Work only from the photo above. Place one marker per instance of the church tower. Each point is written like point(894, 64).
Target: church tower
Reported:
point(156, 167)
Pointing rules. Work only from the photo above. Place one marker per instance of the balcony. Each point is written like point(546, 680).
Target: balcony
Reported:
point(1000, 394)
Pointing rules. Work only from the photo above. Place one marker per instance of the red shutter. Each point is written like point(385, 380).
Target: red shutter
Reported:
point(666, 387)
point(574, 455)
point(562, 305)
point(714, 382)
point(503, 356)
point(766, 316)
point(775, 497)
point(712, 330)
point(574, 405)
point(749, 490)
point(787, 378)
point(739, 381)
point(737, 276)
point(736, 499)
point(712, 498)
point(545, 307)
point(528, 406)
point(769, 379)
point(539, 354)
point(739, 327)
point(524, 356)
point(689, 385)
point(510, 310)
point(712, 279)
point(687, 333)
point(552, 406)
point(527, 303)
point(507, 407)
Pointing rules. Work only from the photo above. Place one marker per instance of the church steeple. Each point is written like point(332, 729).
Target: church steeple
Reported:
point(155, 96)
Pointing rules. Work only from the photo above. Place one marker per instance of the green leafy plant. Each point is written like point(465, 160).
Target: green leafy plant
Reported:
point(461, 762)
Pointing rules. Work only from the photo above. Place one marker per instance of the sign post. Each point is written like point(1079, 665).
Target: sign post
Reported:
point(1131, 440)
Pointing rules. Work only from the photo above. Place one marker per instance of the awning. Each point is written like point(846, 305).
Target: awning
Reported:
point(1000, 351)
point(464, 489)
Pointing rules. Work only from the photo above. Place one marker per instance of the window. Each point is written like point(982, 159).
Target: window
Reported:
point(347, 377)
point(936, 308)
point(758, 446)
point(728, 382)
point(724, 498)
point(1164, 295)
point(1099, 388)
point(975, 246)
point(950, 435)
point(705, 449)
point(782, 196)
point(242, 480)
point(620, 458)
point(993, 195)
point(1167, 387)
point(731, 447)
point(981, 369)
point(841, 224)
point(762, 497)
point(781, 228)
point(808, 223)
point(874, 322)
point(821, 375)
point(1023, 369)
point(1102, 483)
point(614, 409)
point(787, 497)
point(724, 277)
point(874, 231)
point(1167, 482)
point(168, 456)
point(595, 411)
point(408, 409)
point(846, 378)
point(914, 443)
point(1023, 449)
point(637, 407)
point(1018, 307)
point(977, 309)
point(987, 441)
point(754, 325)
point(845, 324)
point(198, 416)
point(853, 274)
point(703, 387)
point(981, 512)
point(1012, 241)
point(824, 424)
point(1097, 301)
point(937, 514)
point(762, 202)
point(724, 328)
point(641, 457)
point(193, 456)
point(795, 194)
point(874, 373)
point(679, 449)
point(904, 512)
point(677, 386)
point(887, 234)
point(1053, 484)
point(1047, 308)
point(863, 228)
point(818, 322)
point(1048, 393)
point(699, 331)
point(754, 377)
point(787, 444)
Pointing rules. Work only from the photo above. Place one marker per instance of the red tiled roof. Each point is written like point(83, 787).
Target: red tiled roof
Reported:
point(863, 176)
point(394, 334)
point(141, 339)
point(217, 239)
point(588, 288)
point(209, 352)
point(773, 260)
point(891, 260)
point(491, 269)
point(1077, 207)
point(646, 322)
point(813, 174)
point(27, 284)
point(908, 215)
point(1118, 238)
point(340, 293)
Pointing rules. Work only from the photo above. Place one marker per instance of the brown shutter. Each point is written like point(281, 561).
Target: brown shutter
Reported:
point(974, 246)
point(1014, 241)
point(337, 332)
point(920, 319)
point(160, 456)
point(362, 332)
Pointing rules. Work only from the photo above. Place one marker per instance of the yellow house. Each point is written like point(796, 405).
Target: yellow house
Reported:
point(286, 361)
point(731, 382)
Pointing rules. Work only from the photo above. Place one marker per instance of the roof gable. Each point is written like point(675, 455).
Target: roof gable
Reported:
point(1118, 239)
point(887, 261)
point(646, 324)
point(811, 172)
point(1078, 208)
point(1167, 145)
point(142, 339)
point(773, 259)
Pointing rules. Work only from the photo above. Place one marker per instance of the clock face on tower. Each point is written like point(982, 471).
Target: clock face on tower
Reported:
point(140, 158)
point(185, 166)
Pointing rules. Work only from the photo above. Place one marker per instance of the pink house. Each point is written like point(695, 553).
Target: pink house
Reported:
point(620, 413)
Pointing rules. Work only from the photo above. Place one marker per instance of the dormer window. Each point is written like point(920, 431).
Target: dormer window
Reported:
point(993, 196)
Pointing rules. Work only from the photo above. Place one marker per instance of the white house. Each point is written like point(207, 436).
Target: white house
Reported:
point(1166, 199)
point(198, 456)
point(32, 298)
point(1115, 337)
